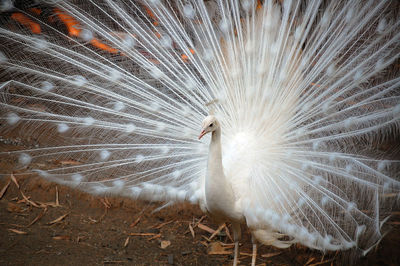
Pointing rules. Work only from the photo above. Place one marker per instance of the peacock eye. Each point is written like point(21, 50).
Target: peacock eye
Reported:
point(211, 125)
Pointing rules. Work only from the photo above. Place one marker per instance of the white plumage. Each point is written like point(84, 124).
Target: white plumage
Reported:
point(113, 94)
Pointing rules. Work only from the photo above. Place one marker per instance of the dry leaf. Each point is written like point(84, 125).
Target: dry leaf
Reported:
point(47, 204)
point(191, 230)
point(17, 225)
point(310, 260)
point(11, 207)
point(17, 231)
point(61, 237)
point(272, 254)
point(14, 180)
point(59, 219)
point(161, 225)
point(126, 242)
point(70, 162)
point(57, 201)
point(106, 203)
point(205, 228)
point(142, 234)
point(92, 221)
point(38, 217)
point(230, 245)
point(154, 237)
point(4, 189)
point(165, 244)
point(215, 248)
point(27, 200)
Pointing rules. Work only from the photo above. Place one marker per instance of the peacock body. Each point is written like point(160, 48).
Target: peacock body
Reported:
point(114, 93)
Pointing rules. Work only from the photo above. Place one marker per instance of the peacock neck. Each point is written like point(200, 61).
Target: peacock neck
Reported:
point(215, 153)
point(216, 183)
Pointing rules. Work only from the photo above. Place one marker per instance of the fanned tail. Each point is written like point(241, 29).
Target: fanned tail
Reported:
point(109, 98)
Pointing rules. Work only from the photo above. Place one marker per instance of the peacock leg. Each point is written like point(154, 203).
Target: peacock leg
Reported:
point(236, 238)
point(235, 258)
point(254, 255)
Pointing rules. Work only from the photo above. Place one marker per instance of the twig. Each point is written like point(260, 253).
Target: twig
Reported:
point(154, 237)
point(27, 200)
point(126, 242)
point(106, 203)
point(57, 202)
point(229, 245)
point(61, 237)
point(105, 212)
point(135, 222)
point(272, 254)
point(206, 238)
point(37, 217)
point(228, 233)
point(142, 234)
point(19, 232)
point(217, 231)
point(4, 189)
point(199, 221)
point(310, 260)
point(59, 219)
point(161, 225)
point(16, 225)
point(205, 228)
point(191, 230)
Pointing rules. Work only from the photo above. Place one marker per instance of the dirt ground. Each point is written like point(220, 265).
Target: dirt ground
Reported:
point(47, 224)
point(42, 223)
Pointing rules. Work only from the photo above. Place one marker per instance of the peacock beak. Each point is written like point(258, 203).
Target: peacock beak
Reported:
point(203, 132)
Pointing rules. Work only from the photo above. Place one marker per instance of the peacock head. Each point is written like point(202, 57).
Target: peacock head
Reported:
point(210, 124)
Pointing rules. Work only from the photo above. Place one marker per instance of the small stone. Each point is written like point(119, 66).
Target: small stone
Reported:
point(170, 259)
point(165, 244)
